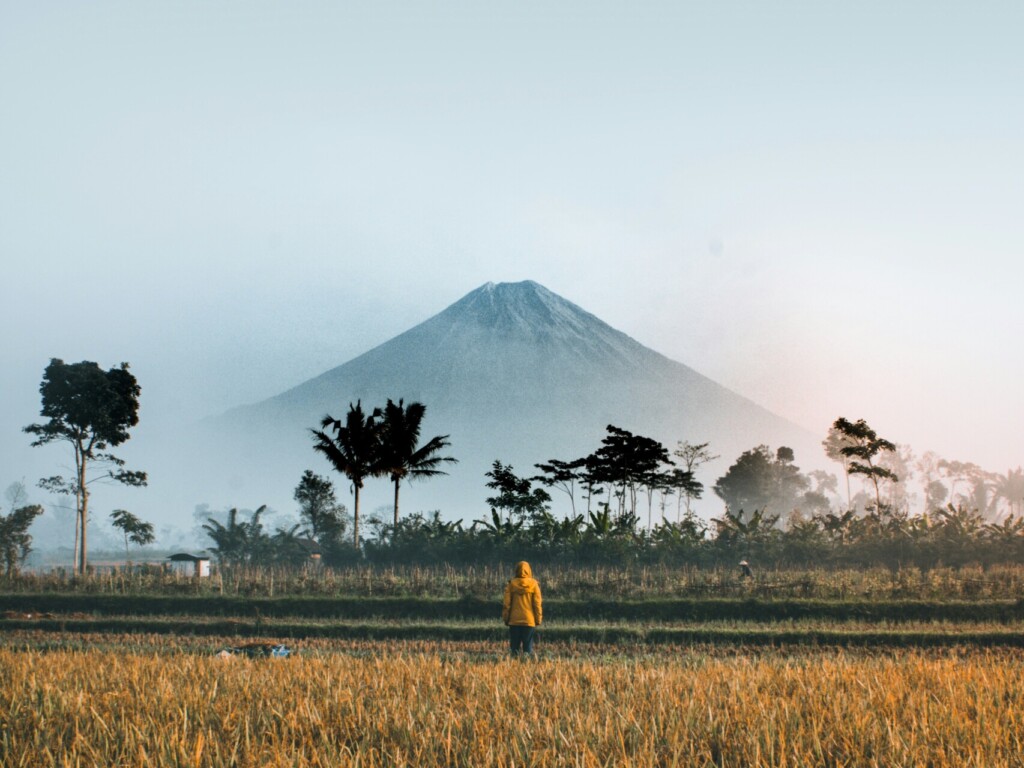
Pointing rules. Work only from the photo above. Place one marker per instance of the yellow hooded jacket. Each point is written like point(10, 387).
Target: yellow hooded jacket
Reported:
point(522, 604)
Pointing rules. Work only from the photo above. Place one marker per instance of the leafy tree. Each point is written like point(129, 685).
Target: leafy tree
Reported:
point(15, 541)
point(834, 442)
point(691, 458)
point(957, 472)
point(626, 461)
point(863, 448)
point(935, 491)
point(319, 510)
point(562, 475)
point(900, 462)
point(515, 494)
point(760, 481)
point(984, 495)
point(135, 530)
point(747, 484)
point(683, 483)
point(935, 494)
point(401, 457)
point(353, 450)
point(791, 487)
point(824, 484)
point(91, 410)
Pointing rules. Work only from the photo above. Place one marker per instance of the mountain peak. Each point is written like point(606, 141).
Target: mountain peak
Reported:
point(527, 310)
point(510, 371)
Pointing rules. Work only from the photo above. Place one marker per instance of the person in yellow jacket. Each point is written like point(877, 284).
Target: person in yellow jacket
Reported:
point(521, 609)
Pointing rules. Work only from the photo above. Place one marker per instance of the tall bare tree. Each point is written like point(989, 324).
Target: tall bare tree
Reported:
point(690, 458)
point(863, 451)
point(89, 409)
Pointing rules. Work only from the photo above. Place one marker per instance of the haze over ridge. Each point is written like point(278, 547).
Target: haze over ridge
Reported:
point(511, 371)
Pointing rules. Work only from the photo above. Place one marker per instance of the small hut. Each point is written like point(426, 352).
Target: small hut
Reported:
point(191, 565)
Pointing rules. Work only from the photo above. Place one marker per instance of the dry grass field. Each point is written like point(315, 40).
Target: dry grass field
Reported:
point(450, 704)
point(648, 667)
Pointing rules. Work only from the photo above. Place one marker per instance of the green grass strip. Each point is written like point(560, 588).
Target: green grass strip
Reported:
point(618, 634)
point(410, 608)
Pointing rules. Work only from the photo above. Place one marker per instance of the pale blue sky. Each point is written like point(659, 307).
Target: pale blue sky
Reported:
point(816, 204)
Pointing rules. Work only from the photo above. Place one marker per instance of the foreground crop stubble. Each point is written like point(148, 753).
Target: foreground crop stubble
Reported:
point(395, 708)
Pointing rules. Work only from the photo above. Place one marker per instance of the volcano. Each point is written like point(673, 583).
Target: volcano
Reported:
point(511, 372)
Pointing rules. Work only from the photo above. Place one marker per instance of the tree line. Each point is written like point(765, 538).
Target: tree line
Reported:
point(774, 515)
point(772, 510)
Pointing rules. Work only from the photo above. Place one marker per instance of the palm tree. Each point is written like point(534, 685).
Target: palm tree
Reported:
point(237, 542)
point(353, 450)
point(1011, 487)
point(400, 458)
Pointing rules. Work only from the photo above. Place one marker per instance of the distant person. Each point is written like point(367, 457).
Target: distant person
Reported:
point(521, 609)
point(745, 572)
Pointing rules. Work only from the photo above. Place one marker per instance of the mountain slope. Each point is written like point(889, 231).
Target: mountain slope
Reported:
point(511, 372)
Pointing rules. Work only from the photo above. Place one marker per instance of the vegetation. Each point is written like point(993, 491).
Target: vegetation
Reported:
point(520, 527)
point(863, 447)
point(564, 581)
point(384, 443)
point(139, 532)
point(324, 518)
point(91, 410)
point(15, 541)
point(401, 455)
point(241, 542)
point(866, 634)
point(352, 450)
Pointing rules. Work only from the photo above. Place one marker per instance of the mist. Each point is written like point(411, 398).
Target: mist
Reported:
point(815, 208)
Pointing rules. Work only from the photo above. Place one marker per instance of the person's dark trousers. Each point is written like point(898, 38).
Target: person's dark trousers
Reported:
point(520, 640)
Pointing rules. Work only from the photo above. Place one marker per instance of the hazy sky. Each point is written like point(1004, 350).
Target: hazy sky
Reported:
point(816, 204)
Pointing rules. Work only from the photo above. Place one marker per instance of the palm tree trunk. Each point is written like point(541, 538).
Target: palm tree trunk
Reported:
point(397, 481)
point(355, 518)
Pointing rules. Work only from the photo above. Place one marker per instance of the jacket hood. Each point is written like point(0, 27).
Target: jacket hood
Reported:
point(524, 583)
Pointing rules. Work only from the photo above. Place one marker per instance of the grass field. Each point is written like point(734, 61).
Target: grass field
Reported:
point(567, 582)
point(397, 704)
point(645, 668)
